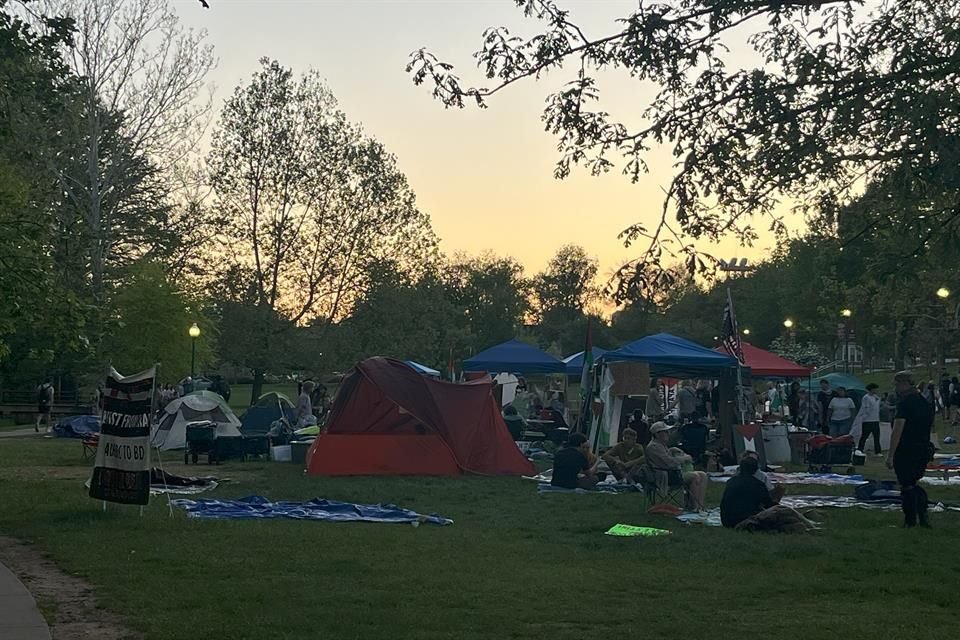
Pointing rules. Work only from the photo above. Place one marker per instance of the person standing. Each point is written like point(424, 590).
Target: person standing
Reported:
point(808, 411)
point(304, 415)
point(910, 449)
point(953, 400)
point(823, 399)
point(870, 418)
point(654, 403)
point(44, 405)
point(945, 395)
point(840, 413)
point(703, 400)
point(686, 402)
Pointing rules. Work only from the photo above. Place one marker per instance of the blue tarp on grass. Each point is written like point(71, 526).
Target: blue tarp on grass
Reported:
point(260, 508)
point(77, 426)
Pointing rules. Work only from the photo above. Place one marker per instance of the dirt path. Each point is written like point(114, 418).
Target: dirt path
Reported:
point(66, 602)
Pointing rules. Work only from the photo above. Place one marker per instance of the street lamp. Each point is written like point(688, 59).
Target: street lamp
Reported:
point(746, 332)
point(788, 323)
point(194, 334)
point(846, 313)
point(943, 293)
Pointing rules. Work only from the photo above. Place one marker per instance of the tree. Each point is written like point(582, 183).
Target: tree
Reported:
point(40, 321)
point(838, 95)
point(141, 117)
point(150, 318)
point(310, 202)
point(492, 293)
point(568, 282)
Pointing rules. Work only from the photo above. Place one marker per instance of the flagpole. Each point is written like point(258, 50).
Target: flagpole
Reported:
point(733, 317)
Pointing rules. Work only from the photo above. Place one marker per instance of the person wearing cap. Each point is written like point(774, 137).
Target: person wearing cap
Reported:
point(910, 449)
point(660, 457)
point(869, 417)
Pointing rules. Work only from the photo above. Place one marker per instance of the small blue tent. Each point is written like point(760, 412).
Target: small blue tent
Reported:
point(670, 356)
point(514, 357)
point(575, 362)
point(270, 407)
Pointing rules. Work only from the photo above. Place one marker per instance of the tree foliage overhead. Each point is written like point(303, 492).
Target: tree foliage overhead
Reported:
point(839, 93)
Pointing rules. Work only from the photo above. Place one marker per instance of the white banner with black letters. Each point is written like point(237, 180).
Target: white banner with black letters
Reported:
point(122, 469)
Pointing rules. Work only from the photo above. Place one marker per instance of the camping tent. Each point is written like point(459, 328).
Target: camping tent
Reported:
point(670, 356)
point(269, 408)
point(574, 363)
point(423, 369)
point(171, 432)
point(763, 364)
point(514, 357)
point(667, 356)
point(389, 420)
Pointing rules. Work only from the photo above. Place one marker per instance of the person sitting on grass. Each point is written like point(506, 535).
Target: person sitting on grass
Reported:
point(671, 460)
point(571, 465)
point(514, 421)
point(776, 491)
point(625, 459)
point(747, 504)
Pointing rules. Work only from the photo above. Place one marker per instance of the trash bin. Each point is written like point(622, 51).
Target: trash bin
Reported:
point(776, 444)
point(298, 451)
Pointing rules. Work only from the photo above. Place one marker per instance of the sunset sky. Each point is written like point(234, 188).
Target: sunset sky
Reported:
point(485, 177)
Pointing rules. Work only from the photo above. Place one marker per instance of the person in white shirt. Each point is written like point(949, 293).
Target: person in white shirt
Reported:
point(840, 413)
point(869, 417)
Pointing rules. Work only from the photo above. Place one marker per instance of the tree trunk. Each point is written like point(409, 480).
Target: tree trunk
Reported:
point(257, 390)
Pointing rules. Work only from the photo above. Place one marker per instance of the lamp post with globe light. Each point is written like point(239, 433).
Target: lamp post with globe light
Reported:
point(846, 314)
point(194, 333)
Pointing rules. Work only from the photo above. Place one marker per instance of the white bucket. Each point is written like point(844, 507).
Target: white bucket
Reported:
point(281, 453)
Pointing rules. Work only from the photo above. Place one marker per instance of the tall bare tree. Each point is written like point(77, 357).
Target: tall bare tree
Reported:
point(143, 111)
point(310, 199)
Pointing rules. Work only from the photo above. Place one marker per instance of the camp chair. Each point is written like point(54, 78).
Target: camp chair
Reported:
point(89, 444)
point(662, 487)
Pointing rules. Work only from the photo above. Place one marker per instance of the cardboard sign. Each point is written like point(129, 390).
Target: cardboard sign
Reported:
point(630, 378)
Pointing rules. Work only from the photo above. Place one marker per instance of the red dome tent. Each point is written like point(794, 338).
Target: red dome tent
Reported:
point(764, 364)
point(387, 419)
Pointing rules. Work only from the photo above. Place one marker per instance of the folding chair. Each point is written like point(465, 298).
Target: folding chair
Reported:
point(662, 487)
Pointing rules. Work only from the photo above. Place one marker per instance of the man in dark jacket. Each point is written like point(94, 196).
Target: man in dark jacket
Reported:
point(910, 449)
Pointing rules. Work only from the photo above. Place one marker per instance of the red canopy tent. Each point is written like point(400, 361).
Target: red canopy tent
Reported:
point(387, 419)
point(764, 364)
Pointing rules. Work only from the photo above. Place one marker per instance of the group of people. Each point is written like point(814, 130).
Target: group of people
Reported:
point(575, 465)
point(750, 500)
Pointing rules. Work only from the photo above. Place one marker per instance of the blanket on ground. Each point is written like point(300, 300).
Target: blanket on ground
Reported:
point(711, 518)
point(603, 487)
point(258, 507)
point(825, 479)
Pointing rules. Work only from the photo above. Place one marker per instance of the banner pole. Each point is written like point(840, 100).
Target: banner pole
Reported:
point(163, 474)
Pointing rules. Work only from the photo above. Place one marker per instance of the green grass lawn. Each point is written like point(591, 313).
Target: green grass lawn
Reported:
point(514, 565)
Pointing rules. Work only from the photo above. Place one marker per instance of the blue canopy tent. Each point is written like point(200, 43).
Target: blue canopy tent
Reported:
point(514, 357)
point(575, 362)
point(422, 369)
point(670, 356)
